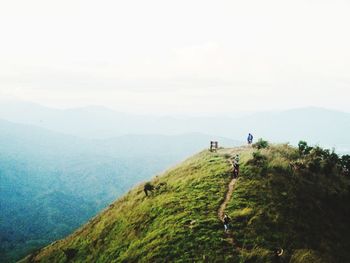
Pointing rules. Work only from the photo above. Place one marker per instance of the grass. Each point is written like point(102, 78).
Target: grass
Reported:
point(179, 221)
point(272, 206)
point(306, 214)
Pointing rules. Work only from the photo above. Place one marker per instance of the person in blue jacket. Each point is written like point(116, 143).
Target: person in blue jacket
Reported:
point(250, 138)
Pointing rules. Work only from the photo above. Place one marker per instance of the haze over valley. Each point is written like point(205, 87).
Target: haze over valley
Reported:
point(103, 103)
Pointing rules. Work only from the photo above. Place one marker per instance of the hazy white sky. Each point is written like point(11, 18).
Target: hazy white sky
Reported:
point(176, 56)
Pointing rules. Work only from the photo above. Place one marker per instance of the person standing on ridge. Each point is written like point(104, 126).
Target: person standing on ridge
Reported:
point(250, 138)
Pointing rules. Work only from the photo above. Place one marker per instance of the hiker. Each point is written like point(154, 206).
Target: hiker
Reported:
point(250, 138)
point(235, 170)
point(237, 158)
point(227, 220)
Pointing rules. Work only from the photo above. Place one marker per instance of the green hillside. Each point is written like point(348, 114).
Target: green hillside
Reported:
point(51, 183)
point(296, 199)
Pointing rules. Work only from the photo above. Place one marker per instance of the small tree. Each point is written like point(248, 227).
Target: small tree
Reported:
point(331, 161)
point(304, 149)
point(261, 144)
point(148, 187)
point(320, 160)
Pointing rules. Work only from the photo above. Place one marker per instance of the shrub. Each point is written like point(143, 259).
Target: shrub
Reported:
point(148, 186)
point(259, 163)
point(261, 144)
point(322, 160)
point(258, 159)
point(70, 253)
point(345, 163)
point(331, 161)
point(304, 149)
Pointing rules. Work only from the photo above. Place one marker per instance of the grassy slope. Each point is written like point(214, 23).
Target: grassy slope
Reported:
point(275, 207)
point(158, 228)
point(307, 215)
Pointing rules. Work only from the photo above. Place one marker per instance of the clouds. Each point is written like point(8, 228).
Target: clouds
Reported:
point(176, 56)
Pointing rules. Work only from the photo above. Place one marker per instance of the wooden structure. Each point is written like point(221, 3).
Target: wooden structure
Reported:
point(214, 145)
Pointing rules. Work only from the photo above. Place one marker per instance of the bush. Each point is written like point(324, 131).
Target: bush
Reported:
point(259, 163)
point(345, 163)
point(261, 144)
point(322, 160)
point(304, 149)
point(148, 186)
point(332, 161)
point(258, 159)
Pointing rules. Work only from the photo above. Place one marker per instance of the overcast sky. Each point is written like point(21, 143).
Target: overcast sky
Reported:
point(176, 56)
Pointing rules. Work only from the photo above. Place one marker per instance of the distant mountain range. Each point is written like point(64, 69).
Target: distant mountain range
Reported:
point(51, 183)
point(314, 125)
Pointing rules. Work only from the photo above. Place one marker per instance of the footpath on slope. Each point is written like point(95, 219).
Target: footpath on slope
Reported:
point(221, 211)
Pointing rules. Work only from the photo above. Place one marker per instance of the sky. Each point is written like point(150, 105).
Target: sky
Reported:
point(176, 57)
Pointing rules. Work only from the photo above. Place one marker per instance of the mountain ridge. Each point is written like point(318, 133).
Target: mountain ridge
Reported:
point(179, 221)
point(311, 123)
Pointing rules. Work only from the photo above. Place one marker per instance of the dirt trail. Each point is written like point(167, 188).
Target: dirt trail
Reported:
point(222, 208)
point(221, 211)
